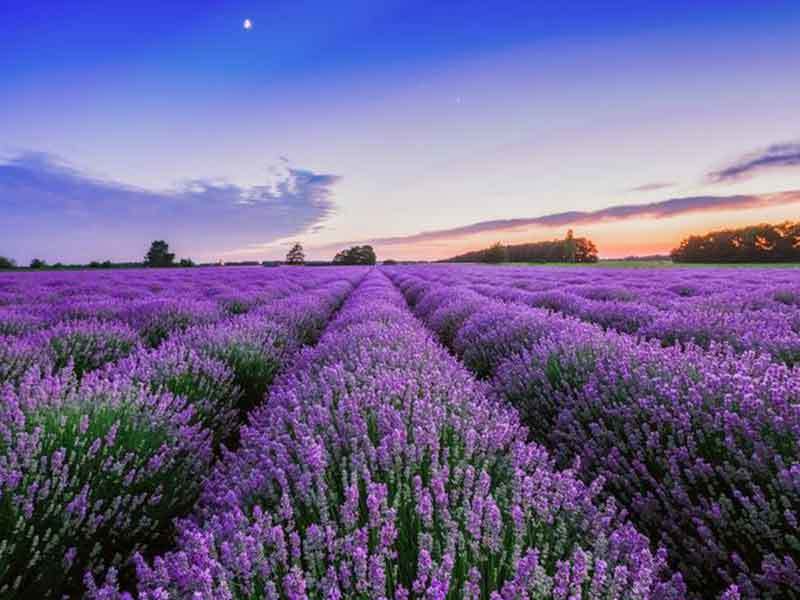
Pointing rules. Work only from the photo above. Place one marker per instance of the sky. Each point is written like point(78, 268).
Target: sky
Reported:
point(424, 128)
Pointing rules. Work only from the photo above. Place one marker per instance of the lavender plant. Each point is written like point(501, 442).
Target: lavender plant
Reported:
point(378, 468)
point(85, 345)
point(88, 476)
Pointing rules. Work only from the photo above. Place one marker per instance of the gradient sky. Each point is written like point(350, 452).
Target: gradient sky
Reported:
point(336, 122)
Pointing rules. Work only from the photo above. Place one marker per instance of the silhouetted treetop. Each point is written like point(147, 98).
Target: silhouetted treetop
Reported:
point(756, 243)
point(356, 255)
point(570, 249)
point(296, 256)
point(159, 255)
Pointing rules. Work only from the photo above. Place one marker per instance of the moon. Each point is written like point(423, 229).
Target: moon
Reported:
point(248, 24)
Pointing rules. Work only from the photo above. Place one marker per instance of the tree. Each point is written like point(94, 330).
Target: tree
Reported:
point(496, 253)
point(296, 256)
point(756, 243)
point(186, 262)
point(356, 255)
point(38, 263)
point(584, 251)
point(7, 263)
point(570, 249)
point(159, 255)
point(389, 262)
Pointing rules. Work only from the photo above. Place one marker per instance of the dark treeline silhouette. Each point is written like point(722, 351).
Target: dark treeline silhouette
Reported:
point(569, 250)
point(356, 255)
point(756, 243)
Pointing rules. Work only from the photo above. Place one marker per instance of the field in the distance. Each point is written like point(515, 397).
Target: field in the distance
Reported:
point(438, 431)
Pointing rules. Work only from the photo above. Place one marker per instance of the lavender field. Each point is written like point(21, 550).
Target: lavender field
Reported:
point(435, 431)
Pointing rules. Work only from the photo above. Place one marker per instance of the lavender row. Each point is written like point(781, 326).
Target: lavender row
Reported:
point(152, 303)
point(378, 468)
point(748, 310)
point(88, 335)
point(93, 470)
point(700, 447)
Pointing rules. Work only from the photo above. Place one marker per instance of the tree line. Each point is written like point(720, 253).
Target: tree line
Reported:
point(355, 255)
point(157, 256)
point(568, 250)
point(757, 243)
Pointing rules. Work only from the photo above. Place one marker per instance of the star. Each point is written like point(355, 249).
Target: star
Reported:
point(248, 24)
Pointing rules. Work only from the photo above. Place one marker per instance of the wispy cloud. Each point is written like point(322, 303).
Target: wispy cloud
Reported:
point(775, 156)
point(650, 187)
point(55, 210)
point(654, 210)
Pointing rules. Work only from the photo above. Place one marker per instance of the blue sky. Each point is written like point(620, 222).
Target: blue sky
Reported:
point(336, 122)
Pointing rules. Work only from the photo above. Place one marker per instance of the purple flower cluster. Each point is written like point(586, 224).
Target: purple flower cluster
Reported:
point(676, 306)
point(379, 468)
point(85, 345)
point(89, 474)
point(115, 394)
point(300, 433)
point(699, 444)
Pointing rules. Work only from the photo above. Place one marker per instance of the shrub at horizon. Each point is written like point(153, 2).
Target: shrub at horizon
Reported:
point(159, 255)
point(356, 255)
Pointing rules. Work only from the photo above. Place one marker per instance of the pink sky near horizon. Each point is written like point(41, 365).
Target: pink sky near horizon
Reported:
point(614, 239)
point(579, 118)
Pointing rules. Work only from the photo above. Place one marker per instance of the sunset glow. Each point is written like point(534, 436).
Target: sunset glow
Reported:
point(329, 124)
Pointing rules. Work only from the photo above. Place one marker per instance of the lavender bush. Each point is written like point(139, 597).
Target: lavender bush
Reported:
point(88, 476)
point(207, 384)
point(699, 444)
point(378, 469)
point(85, 345)
point(242, 433)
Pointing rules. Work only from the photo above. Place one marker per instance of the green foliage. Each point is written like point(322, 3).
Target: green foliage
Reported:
point(91, 458)
point(7, 263)
point(253, 369)
point(356, 255)
point(296, 256)
point(88, 350)
point(159, 255)
point(186, 262)
point(757, 243)
point(496, 253)
point(568, 250)
point(38, 263)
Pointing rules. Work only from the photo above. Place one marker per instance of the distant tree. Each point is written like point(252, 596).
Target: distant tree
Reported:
point(389, 262)
point(583, 251)
point(58, 265)
point(356, 255)
point(106, 264)
point(38, 263)
point(159, 255)
point(296, 256)
point(496, 253)
point(95, 264)
point(756, 243)
point(186, 262)
point(7, 263)
point(570, 249)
